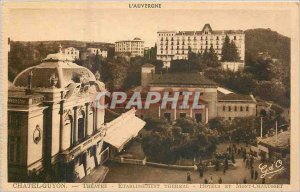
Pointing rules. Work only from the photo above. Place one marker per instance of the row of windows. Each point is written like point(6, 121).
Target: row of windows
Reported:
point(183, 43)
point(166, 34)
point(184, 52)
point(178, 48)
point(235, 108)
point(201, 38)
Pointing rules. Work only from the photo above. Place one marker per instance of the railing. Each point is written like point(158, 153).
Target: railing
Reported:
point(70, 154)
point(129, 161)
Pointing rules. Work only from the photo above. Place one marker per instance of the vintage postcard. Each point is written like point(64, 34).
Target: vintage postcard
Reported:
point(149, 96)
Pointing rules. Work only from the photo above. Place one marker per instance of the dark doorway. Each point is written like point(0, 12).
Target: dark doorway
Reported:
point(198, 117)
point(182, 115)
point(80, 129)
point(168, 116)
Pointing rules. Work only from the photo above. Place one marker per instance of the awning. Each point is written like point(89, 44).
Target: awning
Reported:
point(122, 129)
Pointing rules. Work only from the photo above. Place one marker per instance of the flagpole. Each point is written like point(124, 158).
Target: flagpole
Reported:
point(276, 131)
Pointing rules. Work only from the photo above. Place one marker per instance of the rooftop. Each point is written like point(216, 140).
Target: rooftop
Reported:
point(234, 97)
point(281, 141)
point(56, 70)
point(148, 65)
point(182, 79)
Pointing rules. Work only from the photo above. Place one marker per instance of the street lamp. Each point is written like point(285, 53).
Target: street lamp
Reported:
point(261, 128)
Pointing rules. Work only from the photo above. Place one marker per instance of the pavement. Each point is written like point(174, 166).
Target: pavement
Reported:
point(126, 173)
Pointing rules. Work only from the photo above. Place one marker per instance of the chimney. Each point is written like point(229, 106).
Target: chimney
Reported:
point(28, 91)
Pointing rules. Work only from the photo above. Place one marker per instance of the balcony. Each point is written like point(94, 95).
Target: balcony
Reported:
point(69, 154)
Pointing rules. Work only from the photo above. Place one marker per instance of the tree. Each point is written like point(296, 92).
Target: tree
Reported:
point(219, 124)
point(229, 50)
point(212, 58)
point(234, 52)
point(188, 125)
point(156, 124)
point(226, 49)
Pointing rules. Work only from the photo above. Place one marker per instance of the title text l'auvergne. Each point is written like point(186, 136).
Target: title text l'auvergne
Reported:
point(144, 5)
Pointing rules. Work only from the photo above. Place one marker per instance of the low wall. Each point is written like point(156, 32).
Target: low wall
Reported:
point(182, 167)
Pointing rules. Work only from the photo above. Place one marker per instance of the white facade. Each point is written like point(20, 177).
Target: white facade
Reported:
point(72, 52)
point(173, 45)
point(135, 47)
point(94, 51)
point(233, 66)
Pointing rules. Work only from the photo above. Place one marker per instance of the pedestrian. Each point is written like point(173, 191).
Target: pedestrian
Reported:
point(239, 151)
point(220, 180)
point(245, 181)
point(226, 163)
point(251, 161)
point(247, 163)
point(224, 169)
point(188, 178)
point(263, 181)
point(201, 171)
point(244, 156)
point(235, 148)
point(211, 181)
point(195, 167)
point(217, 166)
point(205, 181)
point(252, 173)
point(232, 158)
point(255, 175)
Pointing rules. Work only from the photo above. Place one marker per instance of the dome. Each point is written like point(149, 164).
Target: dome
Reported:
point(56, 70)
point(138, 39)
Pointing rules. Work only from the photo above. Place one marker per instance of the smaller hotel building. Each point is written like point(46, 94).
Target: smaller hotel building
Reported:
point(94, 51)
point(133, 47)
point(72, 52)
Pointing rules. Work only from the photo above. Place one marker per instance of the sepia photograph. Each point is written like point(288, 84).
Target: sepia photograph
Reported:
point(149, 95)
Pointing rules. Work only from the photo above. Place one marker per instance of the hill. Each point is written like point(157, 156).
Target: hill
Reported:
point(266, 40)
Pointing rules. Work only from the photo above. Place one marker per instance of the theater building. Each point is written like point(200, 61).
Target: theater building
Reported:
point(174, 45)
point(55, 132)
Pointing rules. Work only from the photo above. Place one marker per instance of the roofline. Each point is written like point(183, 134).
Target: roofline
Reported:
point(182, 85)
point(222, 100)
point(128, 41)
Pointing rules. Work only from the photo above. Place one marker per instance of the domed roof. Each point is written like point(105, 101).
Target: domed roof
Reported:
point(137, 38)
point(56, 70)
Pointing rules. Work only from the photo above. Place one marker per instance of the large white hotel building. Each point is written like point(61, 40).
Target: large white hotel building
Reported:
point(173, 45)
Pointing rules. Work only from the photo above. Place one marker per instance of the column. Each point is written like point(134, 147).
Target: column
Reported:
point(206, 115)
point(61, 125)
point(191, 112)
point(175, 111)
point(158, 111)
point(87, 115)
point(75, 127)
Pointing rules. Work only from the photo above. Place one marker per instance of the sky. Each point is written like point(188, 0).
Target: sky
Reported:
point(110, 25)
